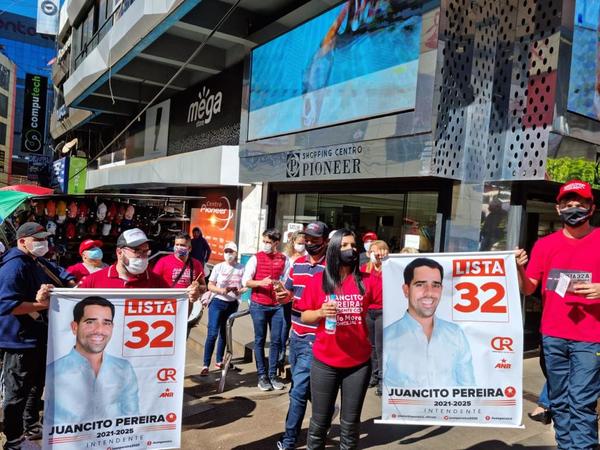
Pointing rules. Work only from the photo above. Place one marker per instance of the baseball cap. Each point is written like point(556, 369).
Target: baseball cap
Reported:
point(88, 244)
point(230, 246)
point(578, 187)
point(369, 236)
point(317, 229)
point(32, 229)
point(132, 238)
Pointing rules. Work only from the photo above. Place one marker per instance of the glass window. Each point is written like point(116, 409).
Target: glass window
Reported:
point(3, 105)
point(2, 133)
point(400, 219)
point(4, 77)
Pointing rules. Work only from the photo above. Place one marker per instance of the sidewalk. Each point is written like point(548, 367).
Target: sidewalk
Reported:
point(245, 418)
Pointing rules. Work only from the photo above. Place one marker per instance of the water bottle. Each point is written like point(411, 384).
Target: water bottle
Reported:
point(331, 321)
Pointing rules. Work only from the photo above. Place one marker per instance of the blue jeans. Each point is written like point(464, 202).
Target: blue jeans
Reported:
point(263, 317)
point(543, 399)
point(218, 313)
point(285, 331)
point(574, 387)
point(301, 358)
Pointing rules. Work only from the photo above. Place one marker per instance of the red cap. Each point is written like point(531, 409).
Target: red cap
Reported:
point(369, 236)
point(578, 187)
point(87, 244)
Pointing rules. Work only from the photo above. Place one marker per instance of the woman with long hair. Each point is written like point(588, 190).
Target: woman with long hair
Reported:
point(337, 300)
point(377, 251)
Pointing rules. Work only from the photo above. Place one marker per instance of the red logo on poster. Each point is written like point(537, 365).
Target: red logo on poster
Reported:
point(501, 343)
point(171, 417)
point(510, 392)
point(166, 375)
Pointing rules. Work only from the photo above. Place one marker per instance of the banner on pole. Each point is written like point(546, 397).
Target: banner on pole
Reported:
point(115, 368)
point(452, 340)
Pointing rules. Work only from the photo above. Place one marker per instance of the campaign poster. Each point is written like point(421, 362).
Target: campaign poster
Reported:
point(115, 369)
point(452, 340)
point(215, 216)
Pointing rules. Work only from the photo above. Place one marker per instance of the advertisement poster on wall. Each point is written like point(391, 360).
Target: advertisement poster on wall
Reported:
point(215, 216)
point(34, 114)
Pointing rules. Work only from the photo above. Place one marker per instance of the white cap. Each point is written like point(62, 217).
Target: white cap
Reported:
point(230, 246)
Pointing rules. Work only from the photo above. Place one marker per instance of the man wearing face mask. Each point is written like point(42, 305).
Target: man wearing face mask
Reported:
point(91, 256)
point(367, 239)
point(303, 335)
point(566, 264)
point(180, 269)
point(131, 269)
point(262, 274)
point(27, 279)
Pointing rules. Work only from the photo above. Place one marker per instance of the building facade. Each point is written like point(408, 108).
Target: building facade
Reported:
point(8, 87)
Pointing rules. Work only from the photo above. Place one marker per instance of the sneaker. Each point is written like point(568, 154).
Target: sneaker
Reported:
point(280, 446)
point(378, 391)
point(204, 371)
point(219, 366)
point(373, 382)
point(14, 444)
point(264, 384)
point(277, 383)
point(34, 433)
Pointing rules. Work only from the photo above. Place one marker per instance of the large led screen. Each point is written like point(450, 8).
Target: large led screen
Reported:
point(359, 59)
point(584, 82)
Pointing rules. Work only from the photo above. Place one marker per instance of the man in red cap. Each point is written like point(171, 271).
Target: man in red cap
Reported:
point(566, 265)
point(367, 238)
point(91, 256)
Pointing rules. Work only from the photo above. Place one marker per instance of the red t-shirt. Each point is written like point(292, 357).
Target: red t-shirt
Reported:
point(572, 317)
point(108, 278)
point(377, 285)
point(169, 268)
point(79, 271)
point(349, 346)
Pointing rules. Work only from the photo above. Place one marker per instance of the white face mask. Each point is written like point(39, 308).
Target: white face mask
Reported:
point(267, 248)
point(367, 246)
point(373, 258)
point(38, 248)
point(299, 248)
point(137, 266)
point(229, 257)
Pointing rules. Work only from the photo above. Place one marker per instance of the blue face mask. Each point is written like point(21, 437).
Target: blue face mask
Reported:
point(95, 253)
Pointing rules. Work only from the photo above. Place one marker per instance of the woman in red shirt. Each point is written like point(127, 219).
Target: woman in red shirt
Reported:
point(377, 251)
point(342, 351)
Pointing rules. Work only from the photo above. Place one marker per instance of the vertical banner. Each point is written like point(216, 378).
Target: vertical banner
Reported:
point(216, 218)
point(77, 170)
point(115, 368)
point(47, 17)
point(452, 340)
point(156, 133)
point(34, 114)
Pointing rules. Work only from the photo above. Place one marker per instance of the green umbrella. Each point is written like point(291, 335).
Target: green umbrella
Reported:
point(11, 200)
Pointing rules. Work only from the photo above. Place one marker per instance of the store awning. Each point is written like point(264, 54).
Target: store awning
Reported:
point(216, 166)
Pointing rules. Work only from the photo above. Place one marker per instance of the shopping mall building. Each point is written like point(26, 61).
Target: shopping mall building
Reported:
point(446, 125)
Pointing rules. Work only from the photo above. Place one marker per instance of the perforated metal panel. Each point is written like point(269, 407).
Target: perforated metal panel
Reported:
point(496, 86)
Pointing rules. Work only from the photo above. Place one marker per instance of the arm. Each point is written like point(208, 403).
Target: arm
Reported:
point(327, 309)
point(249, 273)
point(527, 285)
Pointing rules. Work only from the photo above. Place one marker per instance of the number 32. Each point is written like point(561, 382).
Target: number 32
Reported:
point(140, 331)
point(471, 297)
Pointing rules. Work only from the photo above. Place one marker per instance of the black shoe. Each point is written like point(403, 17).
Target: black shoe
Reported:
point(34, 433)
point(542, 417)
point(277, 383)
point(264, 384)
point(317, 436)
point(373, 382)
point(349, 435)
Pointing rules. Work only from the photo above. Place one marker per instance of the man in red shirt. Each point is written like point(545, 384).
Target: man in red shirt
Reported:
point(131, 269)
point(566, 265)
point(91, 256)
point(180, 269)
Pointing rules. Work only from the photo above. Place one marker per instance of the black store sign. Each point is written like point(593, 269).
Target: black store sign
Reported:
point(34, 114)
point(208, 114)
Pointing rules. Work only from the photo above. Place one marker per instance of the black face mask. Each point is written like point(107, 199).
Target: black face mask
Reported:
point(314, 249)
point(348, 257)
point(575, 217)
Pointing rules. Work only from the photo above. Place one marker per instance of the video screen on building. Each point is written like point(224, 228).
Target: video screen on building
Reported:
point(584, 81)
point(359, 59)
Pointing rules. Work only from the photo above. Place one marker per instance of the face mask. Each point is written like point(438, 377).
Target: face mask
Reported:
point(38, 248)
point(314, 249)
point(367, 246)
point(181, 251)
point(299, 248)
point(373, 258)
point(229, 257)
point(575, 216)
point(136, 266)
point(95, 253)
point(267, 248)
point(348, 257)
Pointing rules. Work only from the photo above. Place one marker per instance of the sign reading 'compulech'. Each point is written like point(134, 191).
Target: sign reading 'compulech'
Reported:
point(34, 114)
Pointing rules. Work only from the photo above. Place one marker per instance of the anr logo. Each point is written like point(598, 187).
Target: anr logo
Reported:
point(501, 343)
point(292, 165)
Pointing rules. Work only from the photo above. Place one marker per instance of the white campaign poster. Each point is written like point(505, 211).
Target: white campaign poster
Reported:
point(452, 343)
point(115, 381)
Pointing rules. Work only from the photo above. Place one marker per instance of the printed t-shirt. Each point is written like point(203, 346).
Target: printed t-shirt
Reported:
point(349, 346)
point(108, 278)
point(377, 285)
point(225, 275)
point(169, 268)
point(572, 317)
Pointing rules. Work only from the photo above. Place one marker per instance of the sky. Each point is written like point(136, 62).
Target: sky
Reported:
point(23, 7)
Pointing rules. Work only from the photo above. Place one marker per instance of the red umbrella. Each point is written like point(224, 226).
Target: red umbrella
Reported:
point(29, 189)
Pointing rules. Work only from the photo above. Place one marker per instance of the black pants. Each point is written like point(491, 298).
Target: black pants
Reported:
point(375, 327)
point(326, 381)
point(23, 373)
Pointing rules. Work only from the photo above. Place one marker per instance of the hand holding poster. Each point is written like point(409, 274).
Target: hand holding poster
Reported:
point(115, 366)
point(453, 340)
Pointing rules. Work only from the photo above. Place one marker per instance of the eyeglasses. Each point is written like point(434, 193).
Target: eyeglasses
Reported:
point(139, 251)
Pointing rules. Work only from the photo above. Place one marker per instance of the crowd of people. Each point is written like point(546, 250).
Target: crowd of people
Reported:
point(320, 303)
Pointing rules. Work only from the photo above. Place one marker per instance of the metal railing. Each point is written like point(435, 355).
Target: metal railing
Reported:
point(229, 353)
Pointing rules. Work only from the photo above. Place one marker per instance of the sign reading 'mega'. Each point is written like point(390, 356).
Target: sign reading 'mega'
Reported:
point(34, 114)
